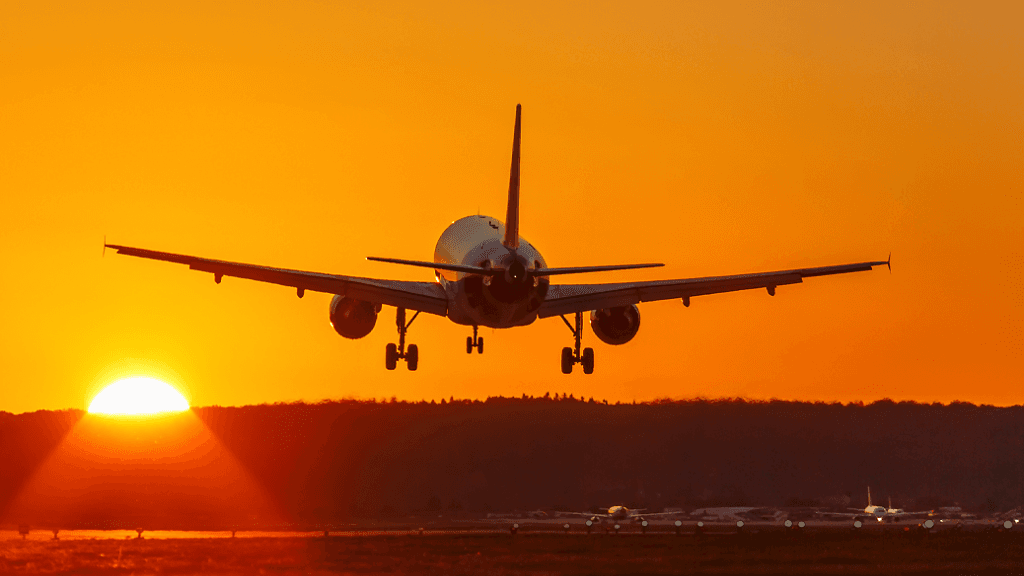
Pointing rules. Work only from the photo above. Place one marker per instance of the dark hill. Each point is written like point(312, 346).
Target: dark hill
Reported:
point(350, 459)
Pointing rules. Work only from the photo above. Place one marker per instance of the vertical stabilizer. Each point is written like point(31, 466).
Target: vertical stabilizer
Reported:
point(511, 240)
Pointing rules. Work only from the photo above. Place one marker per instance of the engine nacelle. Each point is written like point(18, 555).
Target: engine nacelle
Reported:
point(353, 318)
point(616, 325)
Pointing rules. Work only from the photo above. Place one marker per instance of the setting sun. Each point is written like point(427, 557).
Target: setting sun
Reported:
point(136, 396)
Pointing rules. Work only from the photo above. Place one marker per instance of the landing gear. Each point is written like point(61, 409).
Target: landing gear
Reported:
point(572, 356)
point(393, 353)
point(474, 341)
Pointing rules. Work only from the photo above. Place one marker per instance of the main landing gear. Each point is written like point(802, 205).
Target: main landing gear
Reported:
point(572, 356)
point(474, 341)
point(394, 353)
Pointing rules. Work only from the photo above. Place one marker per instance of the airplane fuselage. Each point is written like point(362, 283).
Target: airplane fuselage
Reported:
point(876, 511)
point(498, 301)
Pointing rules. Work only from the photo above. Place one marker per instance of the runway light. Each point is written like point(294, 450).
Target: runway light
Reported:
point(857, 523)
point(700, 524)
point(590, 523)
point(801, 525)
point(739, 523)
point(644, 523)
point(788, 523)
point(929, 524)
point(1006, 524)
point(678, 523)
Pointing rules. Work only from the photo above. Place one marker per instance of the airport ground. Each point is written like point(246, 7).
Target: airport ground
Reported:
point(536, 548)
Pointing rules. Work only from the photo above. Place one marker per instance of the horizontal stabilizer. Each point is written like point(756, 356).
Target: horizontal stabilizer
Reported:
point(440, 266)
point(583, 269)
point(495, 271)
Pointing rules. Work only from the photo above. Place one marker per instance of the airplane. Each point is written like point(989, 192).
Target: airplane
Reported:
point(486, 274)
point(879, 513)
point(620, 514)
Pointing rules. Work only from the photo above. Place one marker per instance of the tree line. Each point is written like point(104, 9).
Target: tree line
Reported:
point(336, 460)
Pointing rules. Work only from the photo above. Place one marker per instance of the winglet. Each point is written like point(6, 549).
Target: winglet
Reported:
point(104, 246)
point(511, 240)
point(888, 262)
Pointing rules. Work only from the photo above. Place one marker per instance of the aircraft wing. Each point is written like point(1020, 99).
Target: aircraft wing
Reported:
point(423, 296)
point(571, 298)
point(855, 513)
point(921, 513)
point(655, 514)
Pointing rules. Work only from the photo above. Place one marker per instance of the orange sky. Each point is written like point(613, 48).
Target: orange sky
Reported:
point(717, 138)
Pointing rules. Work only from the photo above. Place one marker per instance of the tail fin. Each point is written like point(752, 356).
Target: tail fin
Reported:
point(511, 240)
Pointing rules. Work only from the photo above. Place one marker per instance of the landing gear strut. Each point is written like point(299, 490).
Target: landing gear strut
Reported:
point(474, 341)
point(572, 356)
point(394, 353)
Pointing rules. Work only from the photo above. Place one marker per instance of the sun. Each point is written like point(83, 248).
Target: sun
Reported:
point(138, 396)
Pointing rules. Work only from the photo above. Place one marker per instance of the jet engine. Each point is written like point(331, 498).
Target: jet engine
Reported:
point(353, 318)
point(616, 325)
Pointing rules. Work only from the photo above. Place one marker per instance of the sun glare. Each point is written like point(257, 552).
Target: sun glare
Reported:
point(138, 396)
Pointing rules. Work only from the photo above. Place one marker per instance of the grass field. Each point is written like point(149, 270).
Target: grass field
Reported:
point(499, 554)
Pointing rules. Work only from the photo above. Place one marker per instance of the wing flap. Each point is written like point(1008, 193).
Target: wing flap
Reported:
point(423, 296)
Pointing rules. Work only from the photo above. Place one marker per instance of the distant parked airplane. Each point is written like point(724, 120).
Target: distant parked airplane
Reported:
point(620, 514)
point(487, 275)
point(877, 512)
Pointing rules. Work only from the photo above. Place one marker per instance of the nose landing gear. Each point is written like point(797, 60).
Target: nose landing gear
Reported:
point(474, 341)
point(393, 353)
point(572, 356)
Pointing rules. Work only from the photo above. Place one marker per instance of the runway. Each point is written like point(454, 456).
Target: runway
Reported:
point(537, 548)
point(572, 526)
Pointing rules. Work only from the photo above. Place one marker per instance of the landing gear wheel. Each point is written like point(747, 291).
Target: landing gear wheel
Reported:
point(412, 357)
point(480, 345)
point(391, 356)
point(469, 344)
point(588, 361)
point(567, 360)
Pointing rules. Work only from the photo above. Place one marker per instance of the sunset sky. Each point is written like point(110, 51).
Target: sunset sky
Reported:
point(715, 137)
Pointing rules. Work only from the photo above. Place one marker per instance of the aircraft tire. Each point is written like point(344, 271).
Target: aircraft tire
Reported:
point(391, 356)
point(480, 345)
point(412, 357)
point(469, 344)
point(588, 360)
point(567, 360)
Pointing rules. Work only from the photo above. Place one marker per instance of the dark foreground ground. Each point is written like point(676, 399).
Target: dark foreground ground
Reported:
point(499, 554)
